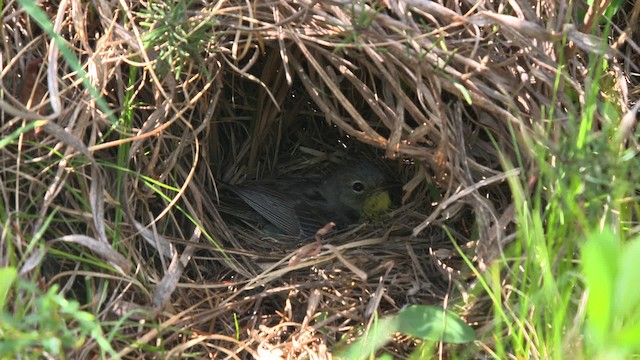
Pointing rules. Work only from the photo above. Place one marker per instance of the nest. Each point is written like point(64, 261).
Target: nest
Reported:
point(445, 96)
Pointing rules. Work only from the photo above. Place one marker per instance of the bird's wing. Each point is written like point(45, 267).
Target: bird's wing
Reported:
point(275, 206)
point(313, 217)
point(316, 212)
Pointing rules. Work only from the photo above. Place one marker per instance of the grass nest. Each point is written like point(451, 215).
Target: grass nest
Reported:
point(121, 189)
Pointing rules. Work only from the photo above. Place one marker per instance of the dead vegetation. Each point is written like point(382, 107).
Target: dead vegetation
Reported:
point(126, 194)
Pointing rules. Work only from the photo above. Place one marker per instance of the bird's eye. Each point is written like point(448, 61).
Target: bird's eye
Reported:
point(357, 186)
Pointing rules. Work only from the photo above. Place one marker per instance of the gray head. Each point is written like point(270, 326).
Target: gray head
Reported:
point(352, 184)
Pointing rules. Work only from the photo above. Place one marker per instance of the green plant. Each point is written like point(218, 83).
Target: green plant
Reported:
point(610, 269)
point(179, 38)
point(37, 323)
point(419, 321)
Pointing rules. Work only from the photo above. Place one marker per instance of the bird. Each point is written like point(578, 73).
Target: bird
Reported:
point(299, 207)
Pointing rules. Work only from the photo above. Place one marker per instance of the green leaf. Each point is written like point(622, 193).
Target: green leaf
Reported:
point(627, 298)
point(7, 277)
point(420, 321)
point(464, 92)
point(629, 337)
point(600, 267)
point(613, 8)
point(434, 323)
point(377, 337)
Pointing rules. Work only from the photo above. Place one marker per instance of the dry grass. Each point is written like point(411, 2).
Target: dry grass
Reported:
point(275, 88)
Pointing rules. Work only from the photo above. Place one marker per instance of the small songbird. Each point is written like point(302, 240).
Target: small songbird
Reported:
point(299, 207)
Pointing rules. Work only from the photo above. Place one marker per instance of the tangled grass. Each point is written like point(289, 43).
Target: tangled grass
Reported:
point(149, 106)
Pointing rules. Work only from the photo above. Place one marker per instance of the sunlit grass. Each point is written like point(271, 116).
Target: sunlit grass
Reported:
point(585, 194)
point(563, 288)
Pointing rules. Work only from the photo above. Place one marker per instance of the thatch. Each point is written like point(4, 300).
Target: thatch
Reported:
point(450, 93)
